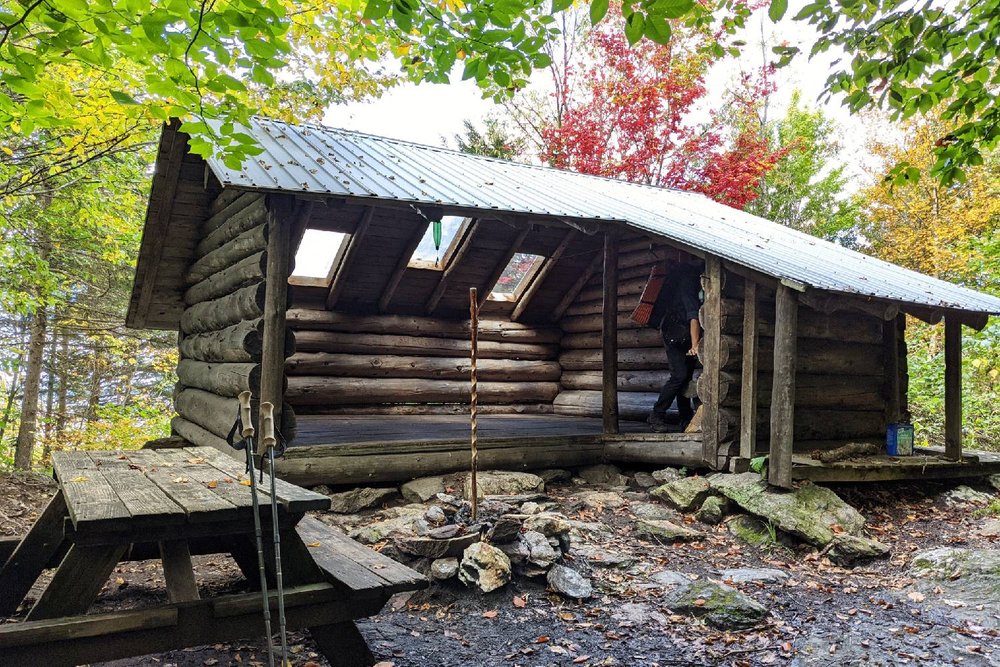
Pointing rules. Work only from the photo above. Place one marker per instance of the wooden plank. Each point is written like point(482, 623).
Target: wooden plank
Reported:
point(578, 286)
point(211, 478)
point(609, 337)
point(279, 251)
point(539, 279)
point(76, 583)
point(401, 265)
point(144, 500)
point(197, 502)
point(354, 245)
point(80, 627)
point(178, 571)
point(783, 389)
point(32, 554)
point(748, 381)
point(674, 449)
point(708, 385)
point(449, 272)
point(294, 498)
point(342, 644)
point(91, 500)
point(890, 338)
point(953, 388)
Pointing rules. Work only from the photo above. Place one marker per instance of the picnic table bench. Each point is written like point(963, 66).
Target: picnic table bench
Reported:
point(170, 503)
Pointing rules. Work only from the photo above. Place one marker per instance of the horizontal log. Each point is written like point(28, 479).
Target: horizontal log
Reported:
point(433, 409)
point(378, 344)
point(226, 205)
point(626, 287)
point(198, 436)
point(246, 303)
point(315, 390)
point(220, 231)
point(659, 449)
point(853, 392)
point(249, 242)
point(366, 463)
point(629, 359)
point(238, 343)
point(632, 405)
point(812, 424)
point(815, 356)
point(219, 378)
point(591, 323)
point(644, 337)
point(841, 326)
point(626, 304)
point(627, 380)
point(244, 272)
point(489, 330)
point(212, 412)
point(430, 368)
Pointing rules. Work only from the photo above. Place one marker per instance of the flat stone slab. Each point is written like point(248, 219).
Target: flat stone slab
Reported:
point(670, 578)
point(429, 547)
point(355, 500)
point(749, 575)
point(423, 489)
point(667, 530)
point(812, 512)
point(685, 493)
point(568, 582)
point(966, 581)
point(721, 606)
point(503, 483)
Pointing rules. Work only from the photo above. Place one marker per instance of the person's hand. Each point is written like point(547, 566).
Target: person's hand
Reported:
point(692, 352)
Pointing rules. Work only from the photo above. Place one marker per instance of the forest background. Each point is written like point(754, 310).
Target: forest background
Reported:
point(72, 201)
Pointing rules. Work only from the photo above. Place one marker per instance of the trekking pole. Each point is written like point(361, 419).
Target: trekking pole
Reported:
point(246, 425)
point(269, 441)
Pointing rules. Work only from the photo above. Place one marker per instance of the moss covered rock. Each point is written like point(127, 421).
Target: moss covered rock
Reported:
point(721, 606)
point(666, 530)
point(685, 494)
point(814, 513)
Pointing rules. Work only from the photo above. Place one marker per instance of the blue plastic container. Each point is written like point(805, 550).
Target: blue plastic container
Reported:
point(899, 440)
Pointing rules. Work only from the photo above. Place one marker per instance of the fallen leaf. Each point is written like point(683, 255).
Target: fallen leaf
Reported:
point(119, 581)
point(80, 478)
point(211, 662)
point(837, 528)
point(196, 460)
point(916, 596)
point(579, 660)
point(313, 545)
point(212, 484)
point(542, 639)
point(180, 480)
point(520, 602)
point(245, 482)
point(492, 613)
point(384, 663)
point(700, 602)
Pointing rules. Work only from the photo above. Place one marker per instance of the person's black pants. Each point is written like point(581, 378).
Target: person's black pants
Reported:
point(681, 370)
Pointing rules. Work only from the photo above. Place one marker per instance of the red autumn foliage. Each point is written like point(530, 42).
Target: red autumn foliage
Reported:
point(627, 114)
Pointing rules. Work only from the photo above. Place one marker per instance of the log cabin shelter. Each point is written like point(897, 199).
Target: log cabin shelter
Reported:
point(310, 277)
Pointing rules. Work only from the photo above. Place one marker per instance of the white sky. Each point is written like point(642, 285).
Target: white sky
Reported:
point(427, 113)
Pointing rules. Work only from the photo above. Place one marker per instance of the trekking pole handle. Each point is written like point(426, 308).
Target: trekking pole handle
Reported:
point(248, 429)
point(267, 425)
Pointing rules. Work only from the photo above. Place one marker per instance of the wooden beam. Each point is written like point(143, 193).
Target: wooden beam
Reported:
point(350, 254)
point(783, 389)
point(953, 388)
point(487, 285)
point(397, 274)
point(578, 286)
point(748, 382)
point(890, 342)
point(609, 337)
point(463, 248)
point(155, 231)
point(710, 354)
point(279, 260)
point(536, 282)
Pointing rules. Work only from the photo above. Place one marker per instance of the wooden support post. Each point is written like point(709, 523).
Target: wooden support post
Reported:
point(279, 260)
point(76, 583)
point(32, 555)
point(890, 343)
point(748, 382)
point(539, 278)
point(783, 390)
point(177, 571)
point(710, 354)
point(609, 336)
point(953, 388)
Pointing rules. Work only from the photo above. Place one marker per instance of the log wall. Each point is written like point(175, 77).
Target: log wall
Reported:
point(220, 340)
point(368, 364)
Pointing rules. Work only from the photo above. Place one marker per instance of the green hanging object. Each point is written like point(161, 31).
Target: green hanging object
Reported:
point(437, 239)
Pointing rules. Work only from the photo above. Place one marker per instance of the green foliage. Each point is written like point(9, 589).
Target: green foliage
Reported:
point(806, 188)
point(910, 58)
point(494, 140)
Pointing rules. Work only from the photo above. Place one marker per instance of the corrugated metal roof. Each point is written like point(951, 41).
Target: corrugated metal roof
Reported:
point(317, 159)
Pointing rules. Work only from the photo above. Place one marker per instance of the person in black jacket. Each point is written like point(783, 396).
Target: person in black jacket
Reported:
point(677, 310)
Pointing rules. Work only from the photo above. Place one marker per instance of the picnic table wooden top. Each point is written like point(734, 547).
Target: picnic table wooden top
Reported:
point(112, 490)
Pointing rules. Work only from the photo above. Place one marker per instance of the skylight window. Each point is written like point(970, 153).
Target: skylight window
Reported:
point(426, 256)
point(516, 276)
point(316, 256)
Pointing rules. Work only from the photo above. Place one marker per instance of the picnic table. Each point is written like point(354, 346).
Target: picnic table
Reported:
point(169, 504)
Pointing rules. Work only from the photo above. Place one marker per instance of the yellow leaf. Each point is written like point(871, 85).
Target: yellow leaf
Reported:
point(196, 460)
point(180, 480)
point(80, 478)
point(313, 545)
point(212, 484)
point(245, 482)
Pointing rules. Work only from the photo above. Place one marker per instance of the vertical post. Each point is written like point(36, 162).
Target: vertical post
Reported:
point(272, 358)
point(952, 388)
point(783, 390)
point(474, 397)
point(748, 383)
point(609, 336)
point(890, 346)
point(710, 316)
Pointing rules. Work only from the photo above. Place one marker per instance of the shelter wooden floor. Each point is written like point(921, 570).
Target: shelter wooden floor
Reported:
point(345, 429)
point(926, 463)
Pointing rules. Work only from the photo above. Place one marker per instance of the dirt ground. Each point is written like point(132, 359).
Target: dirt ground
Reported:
point(820, 615)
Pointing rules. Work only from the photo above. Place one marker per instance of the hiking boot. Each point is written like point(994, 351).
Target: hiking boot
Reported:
point(656, 419)
point(663, 427)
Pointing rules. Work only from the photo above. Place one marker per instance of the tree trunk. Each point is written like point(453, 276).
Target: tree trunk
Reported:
point(15, 381)
point(29, 403)
point(63, 384)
